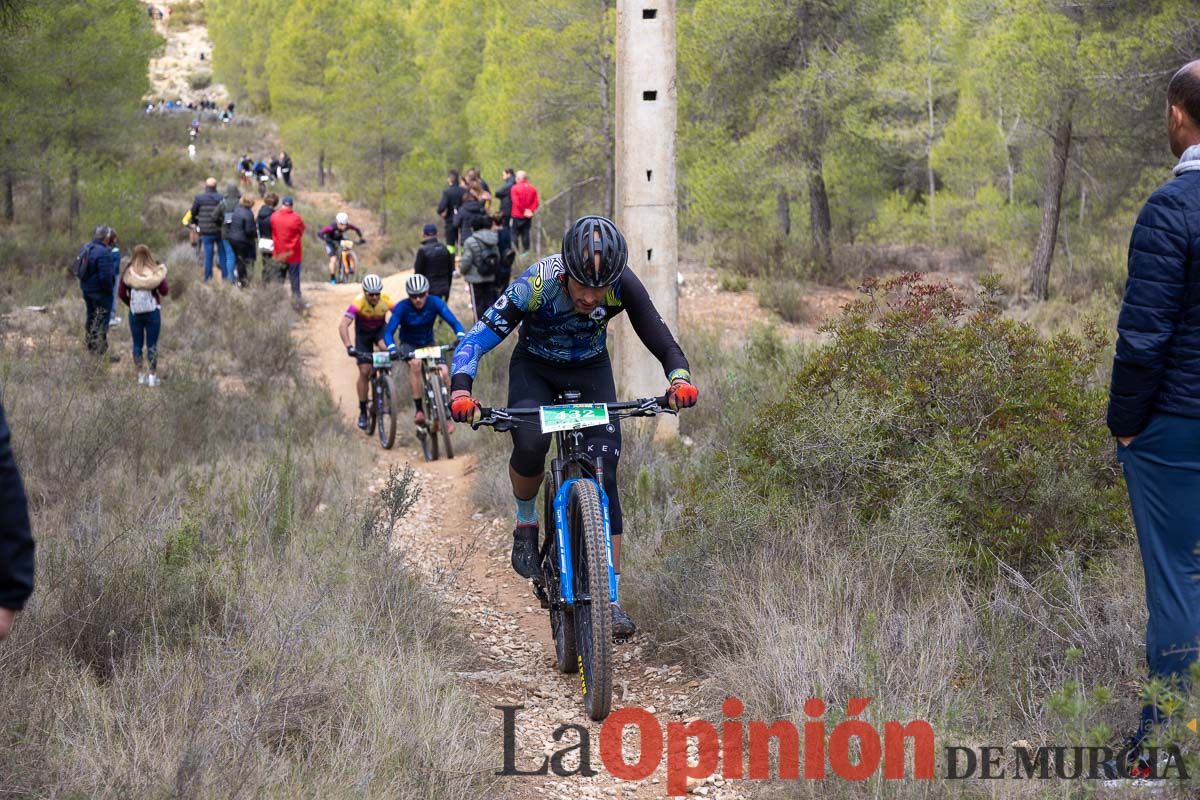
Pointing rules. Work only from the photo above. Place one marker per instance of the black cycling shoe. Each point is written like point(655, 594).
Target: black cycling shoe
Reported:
point(362, 422)
point(1130, 762)
point(525, 550)
point(622, 625)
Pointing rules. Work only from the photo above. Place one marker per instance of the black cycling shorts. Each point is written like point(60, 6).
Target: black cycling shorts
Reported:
point(364, 343)
point(532, 382)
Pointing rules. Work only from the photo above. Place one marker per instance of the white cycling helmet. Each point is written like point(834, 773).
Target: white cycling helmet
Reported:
point(416, 285)
point(343, 218)
point(372, 284)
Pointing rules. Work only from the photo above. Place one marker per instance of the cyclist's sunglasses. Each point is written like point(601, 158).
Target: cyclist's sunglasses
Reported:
point(373, 295)
point(415, 296)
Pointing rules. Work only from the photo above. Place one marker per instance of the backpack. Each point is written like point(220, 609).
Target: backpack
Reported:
point(490, 263)
point(141, 301)
point(81, 267)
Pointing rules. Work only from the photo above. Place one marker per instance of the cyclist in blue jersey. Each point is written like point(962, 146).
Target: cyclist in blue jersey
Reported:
point(414, 319)
point(563, 305)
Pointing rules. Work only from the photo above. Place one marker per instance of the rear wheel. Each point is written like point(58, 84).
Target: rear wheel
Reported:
point(387, 414)
point(562, 620)
point(593, 617)
point(439, 408)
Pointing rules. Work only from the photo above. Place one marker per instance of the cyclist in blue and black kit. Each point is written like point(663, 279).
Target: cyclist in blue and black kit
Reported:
point(563, 305)
point(414, 319)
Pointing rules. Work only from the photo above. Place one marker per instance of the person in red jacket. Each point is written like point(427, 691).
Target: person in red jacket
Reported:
point(287, 228)
point(524, 204)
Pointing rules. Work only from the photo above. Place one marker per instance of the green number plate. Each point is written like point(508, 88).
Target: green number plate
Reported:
point(381, 358)
point(573, 417)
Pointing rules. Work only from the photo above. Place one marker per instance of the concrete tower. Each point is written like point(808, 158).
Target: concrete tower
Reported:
point(645, 175)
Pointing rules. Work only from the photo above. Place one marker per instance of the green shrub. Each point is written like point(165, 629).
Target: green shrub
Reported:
point(732, 282)
point(787, 298)
point(919, 391)
point(200, 80)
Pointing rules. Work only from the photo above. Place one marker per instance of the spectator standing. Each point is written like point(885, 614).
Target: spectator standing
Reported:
point(96, 285)
point(1154, 403)
point(143, 286)
point(507, 254)
point(447, 209)
point(16, 535)
point(510, 178)
point(287, 230)
point(229, 205)
point(285, 168)
point(243, 238)
point(524, 206)
point(472, 209)
point(479, 265)
point(206, 216)
point(271, 270)
point(435, 263)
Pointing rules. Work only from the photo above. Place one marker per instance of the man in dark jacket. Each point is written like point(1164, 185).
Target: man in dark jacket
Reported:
point(1154, 402)
point(242, 234)
point(435, 263)
point(206, 216)
point(16, 536)
point(97, 285)
point(510, 177)
point(272, 270)
point(447, 209)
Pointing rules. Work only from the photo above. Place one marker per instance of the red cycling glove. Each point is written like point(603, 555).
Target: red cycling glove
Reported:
point(463, 407)
point(682, 394)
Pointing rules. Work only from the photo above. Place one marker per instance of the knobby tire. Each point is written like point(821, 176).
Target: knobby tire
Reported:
point(387, 414)
point(443, 426)
point(593, 619)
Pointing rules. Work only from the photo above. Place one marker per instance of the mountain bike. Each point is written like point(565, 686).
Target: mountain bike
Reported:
point(381, 413)
point(434, 397)
point(578, 582)
point(346, 262)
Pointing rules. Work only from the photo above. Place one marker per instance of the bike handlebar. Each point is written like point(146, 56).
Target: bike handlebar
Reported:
point(503, 418)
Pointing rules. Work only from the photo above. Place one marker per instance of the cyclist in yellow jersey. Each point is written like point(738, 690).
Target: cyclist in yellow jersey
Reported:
point(368, 312)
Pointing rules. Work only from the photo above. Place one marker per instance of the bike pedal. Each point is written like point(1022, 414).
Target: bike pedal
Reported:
point(620, 639)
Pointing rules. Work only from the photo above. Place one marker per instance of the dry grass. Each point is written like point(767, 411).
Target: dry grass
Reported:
point(217, 612)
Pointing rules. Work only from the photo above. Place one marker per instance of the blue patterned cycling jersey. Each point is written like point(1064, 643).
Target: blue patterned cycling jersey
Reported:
point(553, 331)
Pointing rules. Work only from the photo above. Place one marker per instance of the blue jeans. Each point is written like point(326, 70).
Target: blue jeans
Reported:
point(228, 262)
point(1162, 473)
point(209, 242)
point(145, 328)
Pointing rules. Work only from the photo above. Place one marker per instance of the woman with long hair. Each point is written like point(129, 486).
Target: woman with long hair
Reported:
point(143, 286)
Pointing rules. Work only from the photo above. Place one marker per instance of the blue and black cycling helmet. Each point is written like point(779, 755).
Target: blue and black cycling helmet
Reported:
point(584, 240)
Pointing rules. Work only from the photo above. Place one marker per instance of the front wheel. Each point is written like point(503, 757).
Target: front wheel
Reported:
point(373, 406)
point(385, 411)
point(593, 617)
point(439, 409)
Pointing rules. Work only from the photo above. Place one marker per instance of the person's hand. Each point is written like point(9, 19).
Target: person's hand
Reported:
point(351, 351)
point(529, 213)
point(463, 407)
point(1126, 440)
point(682, 394)
point(362, 241)
point(458, 337)
point(7, 615)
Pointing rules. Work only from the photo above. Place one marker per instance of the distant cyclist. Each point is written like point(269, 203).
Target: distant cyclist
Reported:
point(368, 312)
point(413, 319)
point(332, 236)
point(562, 305)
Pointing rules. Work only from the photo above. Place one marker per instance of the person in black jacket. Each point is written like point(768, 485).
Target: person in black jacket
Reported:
point(435, 263)
point(452, 197)
point(16, 536)
point(206, 216)
point(285, 168)
point(97, 286)
point(243, 237)
point(510, 177)
point(1154, 403)
point(271, 269)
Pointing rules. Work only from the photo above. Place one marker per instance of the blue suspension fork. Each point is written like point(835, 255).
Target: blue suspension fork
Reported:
point(562, 532)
